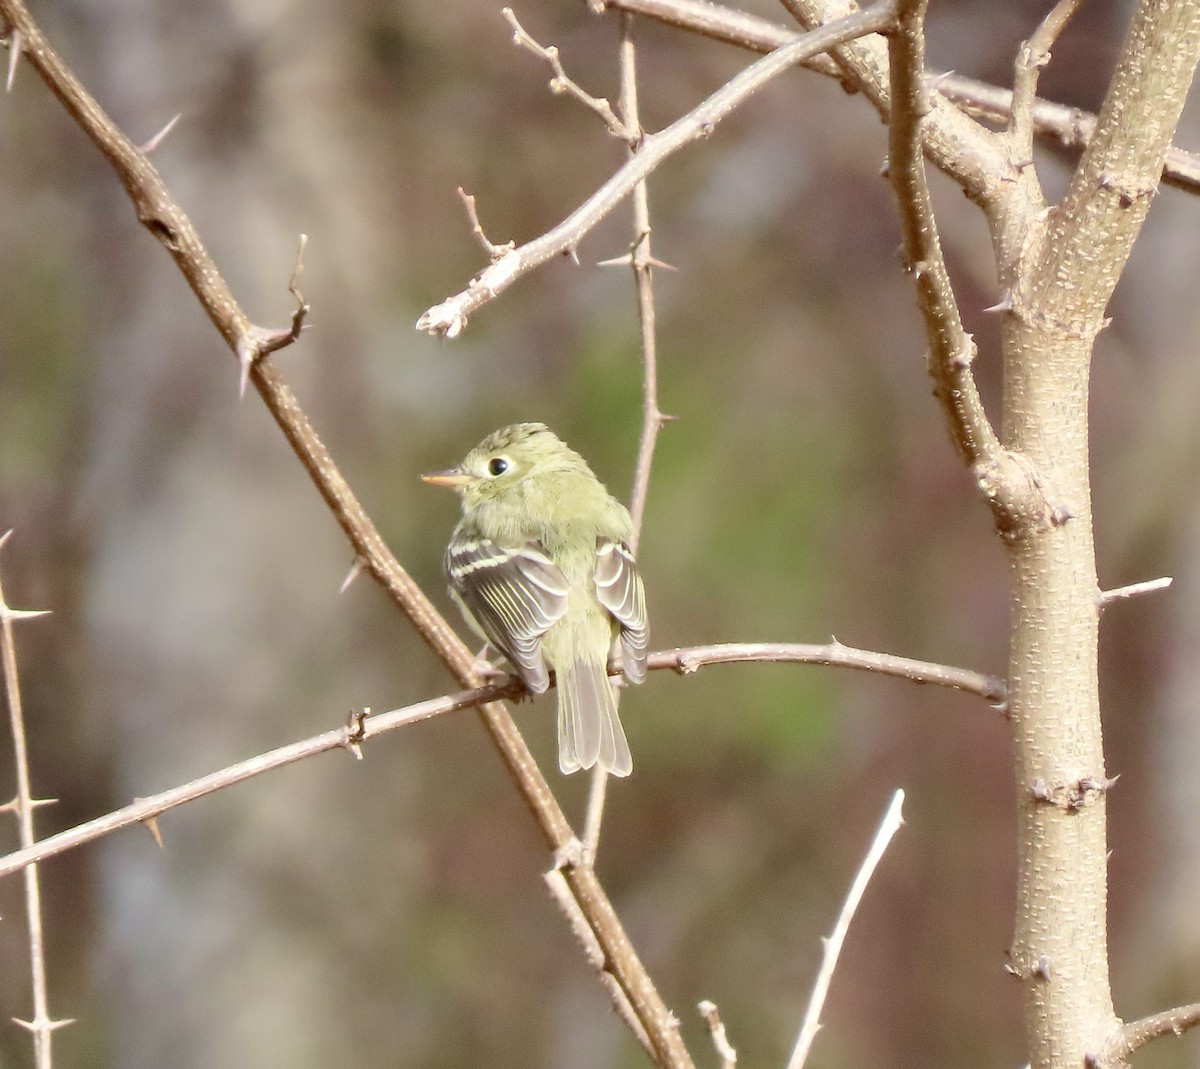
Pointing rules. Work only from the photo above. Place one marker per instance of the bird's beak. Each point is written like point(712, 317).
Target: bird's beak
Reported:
point(451, 477)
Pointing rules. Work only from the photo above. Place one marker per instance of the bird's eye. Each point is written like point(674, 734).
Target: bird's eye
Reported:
point(497, 466)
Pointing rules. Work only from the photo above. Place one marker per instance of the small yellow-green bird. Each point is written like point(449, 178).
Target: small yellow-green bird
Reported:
point(540, 566)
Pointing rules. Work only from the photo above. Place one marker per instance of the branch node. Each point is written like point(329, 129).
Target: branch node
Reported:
point(356, 732)
point(571, 855)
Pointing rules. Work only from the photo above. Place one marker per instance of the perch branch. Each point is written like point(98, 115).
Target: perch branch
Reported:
point(162, 215)
point(892, 821)
point(41, 1026)
point(450, 317)
point(362, 727)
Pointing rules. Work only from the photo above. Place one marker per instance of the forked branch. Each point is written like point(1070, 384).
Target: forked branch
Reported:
point(450, 317)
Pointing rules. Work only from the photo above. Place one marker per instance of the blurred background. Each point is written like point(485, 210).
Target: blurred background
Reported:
point(391, 912)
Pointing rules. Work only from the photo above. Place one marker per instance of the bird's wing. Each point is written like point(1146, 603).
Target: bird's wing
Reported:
point(619, 589)
point(514, 594)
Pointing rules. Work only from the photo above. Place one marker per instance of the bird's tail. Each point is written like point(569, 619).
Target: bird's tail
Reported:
point(589, 730)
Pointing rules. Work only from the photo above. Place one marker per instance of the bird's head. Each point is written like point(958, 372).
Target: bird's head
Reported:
point(497, 468)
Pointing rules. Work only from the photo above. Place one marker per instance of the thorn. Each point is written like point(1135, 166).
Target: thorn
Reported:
point(247, 354)
point(573, 252)
point(1122, 593)
point(44, 1025)
point(16, 44)
point(1005, 304)
point(1040, 792)
point(1041, 968)
point(1060, 514)
point(20, 614)
point(936, 81)
point(617, 261)
point(151, 824)
point(356, 569)
point(149, 146)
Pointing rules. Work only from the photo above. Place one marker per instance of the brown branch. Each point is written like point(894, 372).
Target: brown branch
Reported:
point(1131, 1037)
point(561, 83)
point(160, 213)
point(952, 349)
point(41, 1026)
point(350, 737)
point(561, 893)
point(450, 317)
point(1032, 56)
point(365, 726)
point(691, 658)
point(640, 260)
point(1072, 127)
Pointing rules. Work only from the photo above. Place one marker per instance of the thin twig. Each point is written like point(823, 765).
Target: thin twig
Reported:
point(1032, 56)
point(561, 83)
point(892, 820)
point(1131, 1037)
point(42, 1026)
point(1071, 127)
point(493, 250)
point(952, 350)
point(716, 1029)
point(161, 214)
point(450, 317)
point(689, 659)
point(362, 727)
point(640, 260)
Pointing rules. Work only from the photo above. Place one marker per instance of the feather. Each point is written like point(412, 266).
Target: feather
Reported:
point(619, 589)
point(513, 594)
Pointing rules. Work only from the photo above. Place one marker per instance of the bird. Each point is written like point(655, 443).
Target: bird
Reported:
point(541, 568)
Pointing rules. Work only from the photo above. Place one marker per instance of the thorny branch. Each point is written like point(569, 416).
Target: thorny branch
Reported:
point(640, 260)
point(450, 317)
point(362, 727)
point(952, 349)
point(1071, 127)
point(161, 214)
point(41, 1026)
